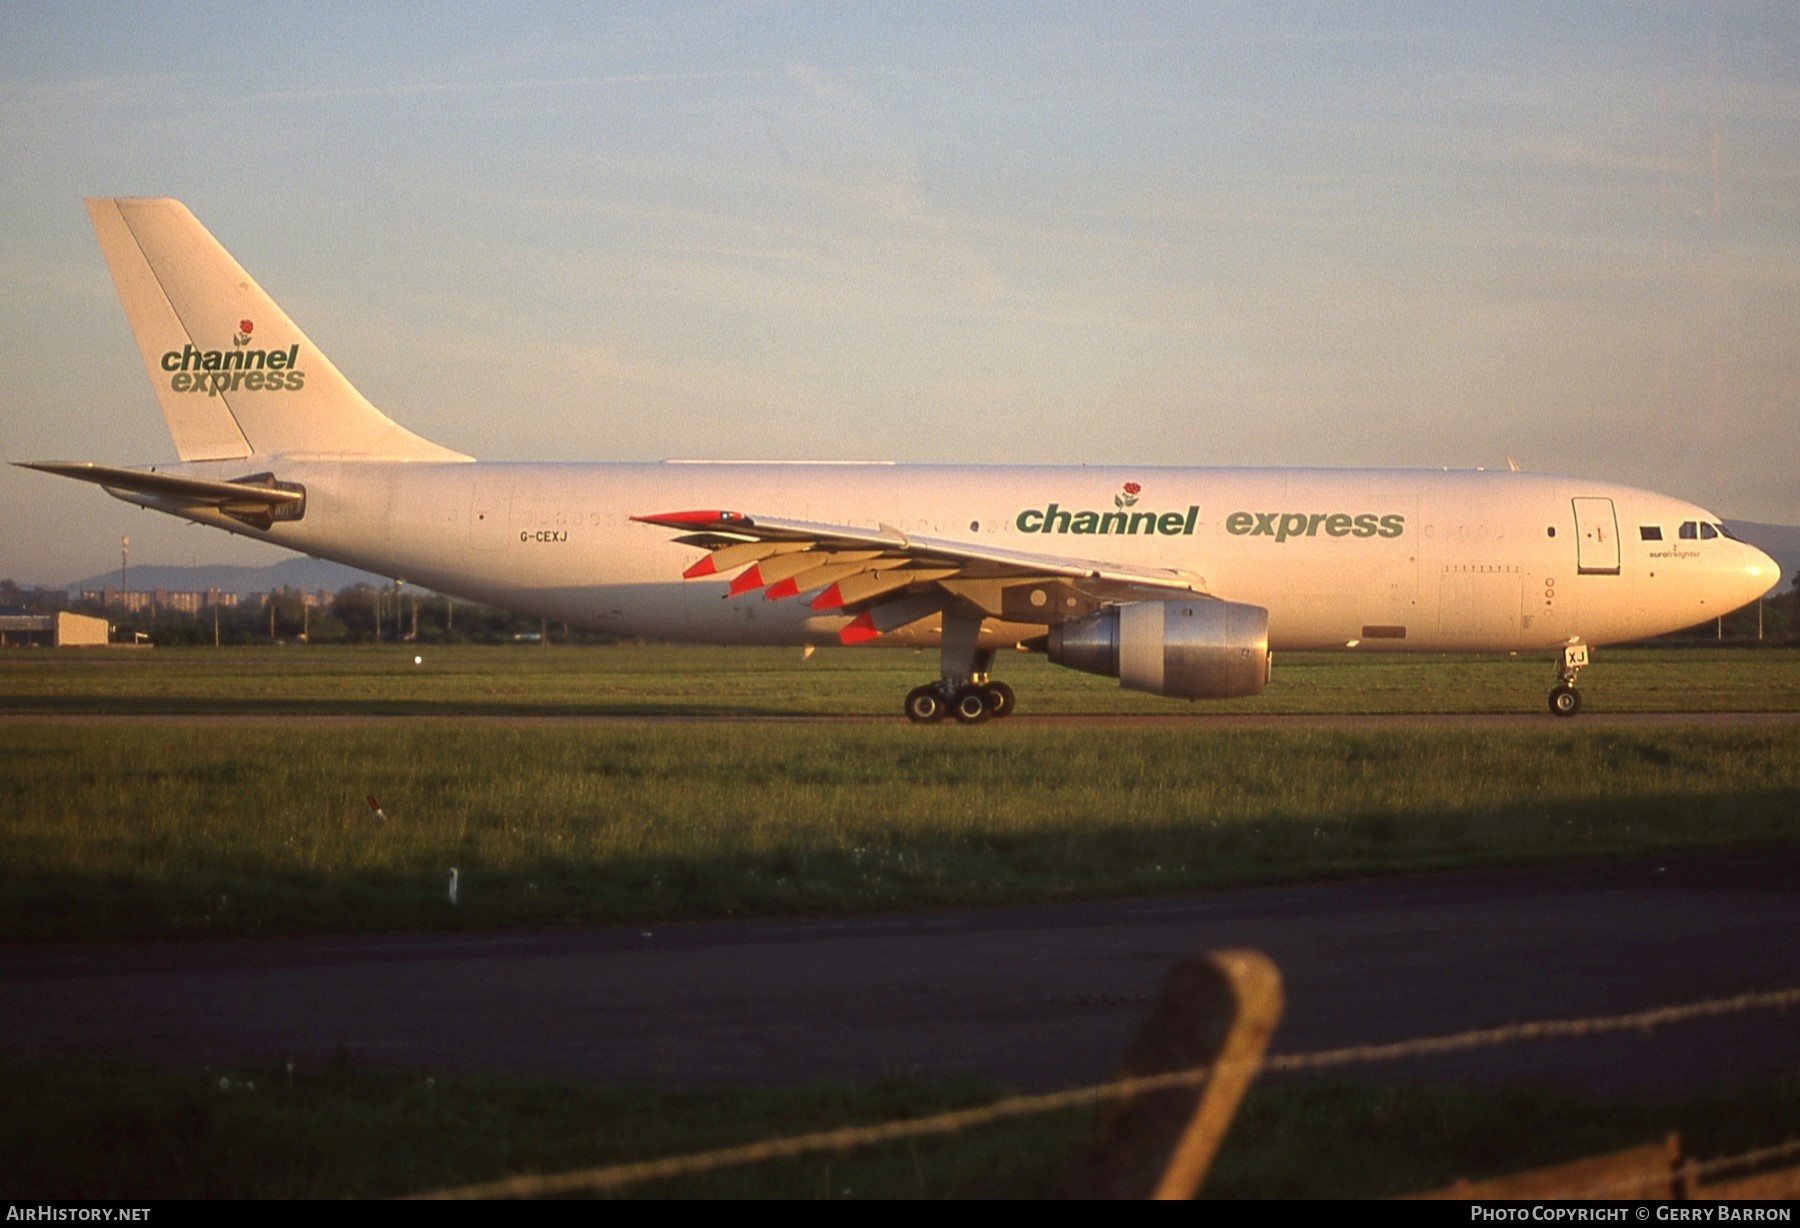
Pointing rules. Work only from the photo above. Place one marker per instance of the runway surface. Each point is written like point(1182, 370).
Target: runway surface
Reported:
point(1035, 997)
point(1196, 721)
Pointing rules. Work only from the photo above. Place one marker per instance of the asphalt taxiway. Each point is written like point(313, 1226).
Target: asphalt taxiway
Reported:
point(1035, 997)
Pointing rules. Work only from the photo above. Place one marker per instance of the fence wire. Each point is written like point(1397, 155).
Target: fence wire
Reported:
point(613, 1177)
point(1693, 1171)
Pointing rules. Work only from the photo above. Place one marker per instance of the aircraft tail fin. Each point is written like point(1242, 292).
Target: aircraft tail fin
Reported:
point(235, 376)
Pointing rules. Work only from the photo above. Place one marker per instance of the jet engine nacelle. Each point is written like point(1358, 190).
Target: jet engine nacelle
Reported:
point(1190, 649)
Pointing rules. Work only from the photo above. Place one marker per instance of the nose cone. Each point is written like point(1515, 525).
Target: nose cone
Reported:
point(1750, 574)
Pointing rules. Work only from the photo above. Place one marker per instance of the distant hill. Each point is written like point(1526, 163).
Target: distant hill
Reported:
point(307, 574)
point(1780, 542)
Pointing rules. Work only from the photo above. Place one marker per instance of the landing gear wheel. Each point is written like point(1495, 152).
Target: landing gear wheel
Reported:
point(1001, 700)
point(925, 704)
point(1565, 701)
point(971, 706)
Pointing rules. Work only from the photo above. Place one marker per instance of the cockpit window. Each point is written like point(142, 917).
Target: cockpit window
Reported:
point(1707, 532)
point(1689, 530)
point(1650, 532)
point(1728, 533)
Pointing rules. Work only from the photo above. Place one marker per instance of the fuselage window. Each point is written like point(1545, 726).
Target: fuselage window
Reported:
point(1707, 532)
point(1650, 532)
point(1689, 530)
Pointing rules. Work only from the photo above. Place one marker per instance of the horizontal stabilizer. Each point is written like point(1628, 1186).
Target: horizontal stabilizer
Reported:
point(257, 499)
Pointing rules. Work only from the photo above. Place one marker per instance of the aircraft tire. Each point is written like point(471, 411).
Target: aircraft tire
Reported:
point(1565, 701)
point(971, 706)
point(1001, 700)
point(925, 704)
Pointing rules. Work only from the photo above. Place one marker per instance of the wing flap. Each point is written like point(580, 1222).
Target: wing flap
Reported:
point(869, 585)
point(822, 571)
point(880, 575)
point(970, 560)
point(732, 555)
point(877, 621)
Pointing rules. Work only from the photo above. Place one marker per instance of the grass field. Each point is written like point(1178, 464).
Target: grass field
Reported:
point(169, 828)
point(104, 1130)
point(175, 829)
point(666, 680)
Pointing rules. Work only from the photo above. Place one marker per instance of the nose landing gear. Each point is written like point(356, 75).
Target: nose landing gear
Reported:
point(1565, 700)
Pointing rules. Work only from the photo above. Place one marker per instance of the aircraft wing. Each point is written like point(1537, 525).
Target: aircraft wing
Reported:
point(889, 578)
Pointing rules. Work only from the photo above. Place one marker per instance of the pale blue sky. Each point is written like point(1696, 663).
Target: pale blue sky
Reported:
point(1186, 233)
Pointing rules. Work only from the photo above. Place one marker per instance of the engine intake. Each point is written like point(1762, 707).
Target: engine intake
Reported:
point(1188, 649)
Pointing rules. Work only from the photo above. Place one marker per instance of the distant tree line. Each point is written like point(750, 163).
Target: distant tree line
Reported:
point(360, 614)
point(364, 614)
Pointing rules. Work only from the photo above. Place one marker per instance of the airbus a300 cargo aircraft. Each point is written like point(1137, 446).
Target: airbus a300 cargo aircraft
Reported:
point(1178, 582)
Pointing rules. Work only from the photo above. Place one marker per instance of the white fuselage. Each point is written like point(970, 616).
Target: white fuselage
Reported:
point(1372, 559)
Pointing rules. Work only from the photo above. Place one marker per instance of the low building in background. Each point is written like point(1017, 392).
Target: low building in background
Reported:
point(138, 601)
point(62, 629)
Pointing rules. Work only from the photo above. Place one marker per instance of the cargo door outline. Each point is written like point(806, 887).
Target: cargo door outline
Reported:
point(1481, 604)
point(1596, 537)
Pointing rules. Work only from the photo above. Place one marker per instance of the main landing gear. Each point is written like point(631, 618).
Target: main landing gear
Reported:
point(972, 702)
point(966, 691)
point(1565, 700)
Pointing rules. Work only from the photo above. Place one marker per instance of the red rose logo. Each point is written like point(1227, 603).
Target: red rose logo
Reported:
point(1128, 497)
point(1131, 488)
point(246, 327)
